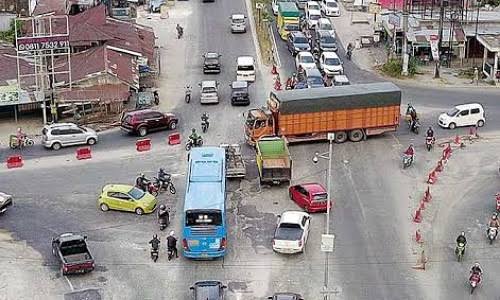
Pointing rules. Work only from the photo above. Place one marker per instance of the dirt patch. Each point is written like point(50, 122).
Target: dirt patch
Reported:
point(262, 23)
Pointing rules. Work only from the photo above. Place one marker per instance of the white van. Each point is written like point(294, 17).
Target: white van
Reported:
point(245, 68)
point(471, 114)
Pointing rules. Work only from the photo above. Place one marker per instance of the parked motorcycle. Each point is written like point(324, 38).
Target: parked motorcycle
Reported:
point(474, 280)
point(154, 254)
point(190, 143)
point(429, 142)
point(163, 185)
point(492, 234)
point(460, 251)
point(187, 93)
point(407, 161)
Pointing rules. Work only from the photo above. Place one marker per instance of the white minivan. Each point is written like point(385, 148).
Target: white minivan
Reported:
point(245, 68)
point(470, 114)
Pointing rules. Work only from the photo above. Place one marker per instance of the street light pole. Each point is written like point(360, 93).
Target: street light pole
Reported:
point(331, 139)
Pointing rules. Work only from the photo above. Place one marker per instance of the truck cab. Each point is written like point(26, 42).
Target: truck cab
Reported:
point(259, 122)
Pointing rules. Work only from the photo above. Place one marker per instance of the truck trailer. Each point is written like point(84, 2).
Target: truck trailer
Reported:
point(351, 112)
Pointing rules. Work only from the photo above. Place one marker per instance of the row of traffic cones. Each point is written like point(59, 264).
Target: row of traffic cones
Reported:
point(417, 218)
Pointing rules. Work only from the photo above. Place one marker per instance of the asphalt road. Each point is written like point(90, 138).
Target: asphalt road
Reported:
point(373, 197)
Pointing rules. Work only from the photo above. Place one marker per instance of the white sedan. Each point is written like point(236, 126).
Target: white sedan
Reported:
point(291, 232)
point(5, 201)
point(305, 59)
point(330, 8)
point(330, 64)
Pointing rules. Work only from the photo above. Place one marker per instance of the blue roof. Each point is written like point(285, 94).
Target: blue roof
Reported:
point(206, 182)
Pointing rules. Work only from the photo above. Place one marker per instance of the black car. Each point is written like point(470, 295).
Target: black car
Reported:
point(285, 296)
point(297, 42)
point(324, 41)
point(239, 93)
point(208, 290)
point(211, 63)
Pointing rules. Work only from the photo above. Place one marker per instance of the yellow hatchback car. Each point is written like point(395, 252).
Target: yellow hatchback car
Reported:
point(127, 198)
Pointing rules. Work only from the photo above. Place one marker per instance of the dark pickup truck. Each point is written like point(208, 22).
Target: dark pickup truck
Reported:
point(72, 251)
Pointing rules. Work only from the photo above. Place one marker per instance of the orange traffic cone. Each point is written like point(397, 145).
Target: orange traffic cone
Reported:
point(418, 216)
point(439, 167)
point(274, 71)
point(427, 195)
point(432, 177)
point(418, 237)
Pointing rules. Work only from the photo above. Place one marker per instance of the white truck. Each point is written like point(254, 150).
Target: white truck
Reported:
point(235, 166)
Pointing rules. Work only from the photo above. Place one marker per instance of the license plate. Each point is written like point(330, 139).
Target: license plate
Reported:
point(204, 255)
point(194, 243)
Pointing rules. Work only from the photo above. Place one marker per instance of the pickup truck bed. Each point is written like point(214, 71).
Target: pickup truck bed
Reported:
point(77, 258)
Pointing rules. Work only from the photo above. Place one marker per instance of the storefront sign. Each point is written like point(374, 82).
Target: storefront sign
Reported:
point(434, 41)
point(43, 43)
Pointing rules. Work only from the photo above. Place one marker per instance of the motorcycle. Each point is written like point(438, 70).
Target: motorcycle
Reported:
point(414, 126)
point(460, 251)
point(204, 125)
point(187, 94)
point(190, 143)
point(164, 220)
point(492, 234)
point(474, 280)
point(170, 253)
point(148, 186)
point(429, 143)
point(154, 254)
point(349, 54)
point(15, 144)
point(407, 161)
point(165, 184)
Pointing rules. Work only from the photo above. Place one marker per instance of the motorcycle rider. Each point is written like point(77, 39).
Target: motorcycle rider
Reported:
point(476, 269)
point(194, 137)
point(163, 215)
point(349, 51)
point(142, 182)
point(461, 238)
point(494, 223)
point(172, 243)
point(155, 243)
point(204, 118)
point(410, 152)
point(180, 31)
point(430, 132)
point(163, 176)
point(20, 135)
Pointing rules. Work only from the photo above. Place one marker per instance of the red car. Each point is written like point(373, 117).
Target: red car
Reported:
point(141, 122)
point(312, 197)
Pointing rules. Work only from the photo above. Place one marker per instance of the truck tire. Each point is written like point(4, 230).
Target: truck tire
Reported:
point(340, 137)
point(356, 135)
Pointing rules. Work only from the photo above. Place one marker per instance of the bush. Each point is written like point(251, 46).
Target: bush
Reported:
point(394, 66)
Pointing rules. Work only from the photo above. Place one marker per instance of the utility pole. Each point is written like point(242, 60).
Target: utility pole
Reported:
point(440, 33)
point(406, 56)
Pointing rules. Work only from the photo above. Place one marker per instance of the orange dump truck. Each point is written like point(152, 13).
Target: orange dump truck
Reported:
point(352, 112)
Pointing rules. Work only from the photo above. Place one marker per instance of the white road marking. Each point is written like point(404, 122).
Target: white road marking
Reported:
point(69, 283)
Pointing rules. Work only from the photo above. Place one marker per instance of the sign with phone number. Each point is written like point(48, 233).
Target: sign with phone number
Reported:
point(43, 43)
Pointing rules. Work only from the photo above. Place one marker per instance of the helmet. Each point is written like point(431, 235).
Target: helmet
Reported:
point(172, 233)
point(163, 207)
point(193, 130)
point(494, 217)
point(161, 170)
point(476, 264)
point(430, 127)
point(155, 236)
point(141, 175)
point(462, 233)
point(411, 145)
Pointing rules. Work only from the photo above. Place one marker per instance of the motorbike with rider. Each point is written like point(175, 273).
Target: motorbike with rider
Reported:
point(164, 181)
point(187, 93)
point(411, 116)
point(155, 247)
point(145, 184)
point(430, 140)
point(20, 140)
point(204, 122)
point(461, 243)
point(349, 51)
point(194, 140)
point(408, 156)
point(180, 31)
point(172, 245)
point(163, 217)
point(476, 274)
point(493, 226)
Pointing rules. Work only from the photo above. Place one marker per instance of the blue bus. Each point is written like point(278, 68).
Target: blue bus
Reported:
point(204, 220)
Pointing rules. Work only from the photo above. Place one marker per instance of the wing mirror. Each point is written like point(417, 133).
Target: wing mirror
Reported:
point(191, 287)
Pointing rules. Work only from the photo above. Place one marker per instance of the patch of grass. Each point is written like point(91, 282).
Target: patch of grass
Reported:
point(262, 29)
